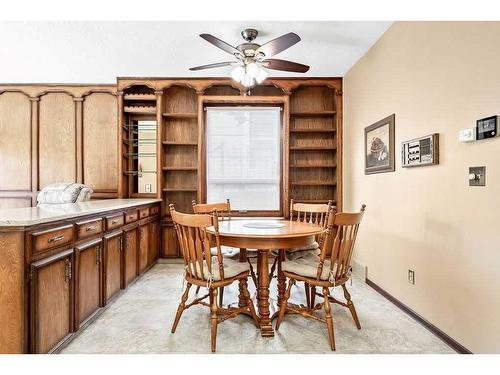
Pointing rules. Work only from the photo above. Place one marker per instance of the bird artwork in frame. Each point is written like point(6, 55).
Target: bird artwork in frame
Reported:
point(379, 146)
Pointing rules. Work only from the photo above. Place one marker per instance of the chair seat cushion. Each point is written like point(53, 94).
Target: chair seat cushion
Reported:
point(301, 252)
point(307, 266)
point(227, 252)
point(231, 269)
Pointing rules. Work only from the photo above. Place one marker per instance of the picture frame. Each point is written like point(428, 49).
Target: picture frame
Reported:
point(379, 151)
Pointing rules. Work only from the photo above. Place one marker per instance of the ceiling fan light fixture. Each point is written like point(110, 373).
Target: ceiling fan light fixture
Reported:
point(238, 73)
point(253, 70)
point(261, 76)
point(248, 81)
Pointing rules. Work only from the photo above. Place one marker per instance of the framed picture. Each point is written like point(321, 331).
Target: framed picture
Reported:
point(379, 146)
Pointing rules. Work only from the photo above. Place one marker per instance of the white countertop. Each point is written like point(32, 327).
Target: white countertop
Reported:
point(20, 217)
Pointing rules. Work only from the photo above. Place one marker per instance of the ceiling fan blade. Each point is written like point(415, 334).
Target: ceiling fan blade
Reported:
point(288, 66)
point(214, 65)
point(278, 45)
point(220, 44)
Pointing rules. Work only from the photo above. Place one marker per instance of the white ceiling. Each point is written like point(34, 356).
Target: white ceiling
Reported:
point(98, 52)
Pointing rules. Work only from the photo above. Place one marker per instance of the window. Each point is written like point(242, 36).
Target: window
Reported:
point(243, 157)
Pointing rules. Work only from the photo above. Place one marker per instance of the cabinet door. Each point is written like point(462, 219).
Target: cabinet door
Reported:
point(130, 255)
point(112, 265)
point(143, 247)
point(51, 309)
point(154, 237)
point(88, 280)
point(170, 245)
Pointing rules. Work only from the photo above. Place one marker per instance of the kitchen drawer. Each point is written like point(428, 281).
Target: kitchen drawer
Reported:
point(154, 210)
point(131, 216)
point(88, 228)
point(51, 238)
point(113, 222)
point(143, 212)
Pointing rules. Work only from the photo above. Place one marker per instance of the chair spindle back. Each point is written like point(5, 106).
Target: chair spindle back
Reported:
point(312, 214)
point(342, 229)
point(223, 209)
point(194, 242)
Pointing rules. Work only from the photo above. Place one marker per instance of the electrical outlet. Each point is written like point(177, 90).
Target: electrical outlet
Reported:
point(411, 277)
point(148, 188)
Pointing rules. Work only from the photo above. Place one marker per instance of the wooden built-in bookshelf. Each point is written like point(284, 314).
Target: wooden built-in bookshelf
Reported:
point(313, 144)
point(180, 151)
point(312, 138)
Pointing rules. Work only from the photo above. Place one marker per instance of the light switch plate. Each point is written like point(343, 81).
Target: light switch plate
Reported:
point(480, 172)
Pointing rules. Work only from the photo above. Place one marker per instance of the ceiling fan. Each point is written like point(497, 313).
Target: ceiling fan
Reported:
point(252, 58)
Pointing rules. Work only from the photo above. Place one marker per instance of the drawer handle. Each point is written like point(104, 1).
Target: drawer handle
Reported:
point(91, 227)
point(56, 238)
point(114, 221)
point(131, 217)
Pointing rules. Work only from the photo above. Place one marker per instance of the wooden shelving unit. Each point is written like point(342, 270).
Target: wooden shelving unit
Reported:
point(175, 143)
point(319, 113)
point(139, 97)
point(312, 116)
point(313, 145)
point(139, 109)
point(181, 115)
point(180, 151)
point(139, 103)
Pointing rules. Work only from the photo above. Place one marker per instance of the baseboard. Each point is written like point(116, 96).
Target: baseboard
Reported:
point(459, 348)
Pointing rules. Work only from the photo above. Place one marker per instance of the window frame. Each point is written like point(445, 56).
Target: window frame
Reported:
point(245, 101)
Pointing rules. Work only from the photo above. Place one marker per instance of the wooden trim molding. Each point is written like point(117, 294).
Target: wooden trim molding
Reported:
point(455, 345)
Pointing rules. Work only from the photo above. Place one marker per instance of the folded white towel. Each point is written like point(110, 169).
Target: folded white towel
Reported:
point(64, 192)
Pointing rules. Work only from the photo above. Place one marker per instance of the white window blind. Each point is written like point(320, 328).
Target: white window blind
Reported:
point(243, 157)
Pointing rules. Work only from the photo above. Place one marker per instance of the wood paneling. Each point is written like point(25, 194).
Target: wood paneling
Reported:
point(15, 202)
point(57, 139)
point(15, 141)
point(11, 286)
point(100, 132)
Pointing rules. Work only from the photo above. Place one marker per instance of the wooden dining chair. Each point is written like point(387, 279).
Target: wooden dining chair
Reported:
point(212, 272)
point(326, 271)
point(223, 210)
point(316, 214)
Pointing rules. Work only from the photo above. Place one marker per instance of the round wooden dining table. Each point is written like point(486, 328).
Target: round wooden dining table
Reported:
point(266, 234)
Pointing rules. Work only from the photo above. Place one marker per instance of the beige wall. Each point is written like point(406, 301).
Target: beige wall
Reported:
point(436, 77)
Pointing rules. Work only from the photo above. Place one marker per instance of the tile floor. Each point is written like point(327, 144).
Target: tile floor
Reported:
point(139, 321)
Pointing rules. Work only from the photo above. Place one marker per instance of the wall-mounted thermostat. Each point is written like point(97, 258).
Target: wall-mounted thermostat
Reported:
point(487, 127)
point(421, 151)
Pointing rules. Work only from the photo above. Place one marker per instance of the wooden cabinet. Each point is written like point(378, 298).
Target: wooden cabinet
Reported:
point(154, 237)
point(170, 246)
point(88, 280)
point(112, 265)
point(56, 276)
point(52, 296)
point(143, 247)
point(130, 246)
